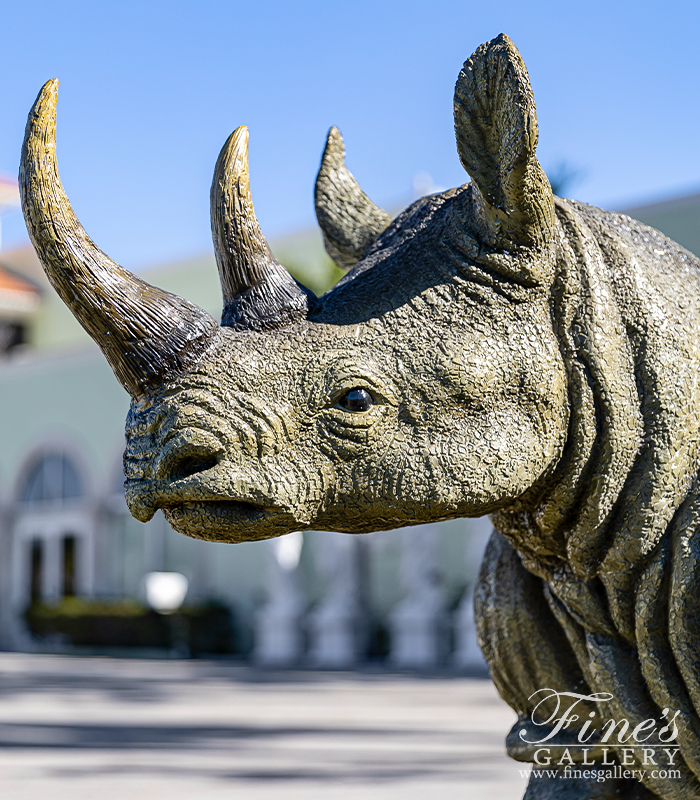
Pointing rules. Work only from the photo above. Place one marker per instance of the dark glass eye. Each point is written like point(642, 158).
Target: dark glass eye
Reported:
point(356, 400)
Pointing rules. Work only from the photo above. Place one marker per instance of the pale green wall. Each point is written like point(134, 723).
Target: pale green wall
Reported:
point(71, 396)
point(679, 219)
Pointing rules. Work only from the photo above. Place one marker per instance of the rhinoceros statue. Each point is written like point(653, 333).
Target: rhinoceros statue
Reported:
point(493, 350)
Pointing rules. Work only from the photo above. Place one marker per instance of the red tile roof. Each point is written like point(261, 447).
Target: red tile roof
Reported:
point(16, 293)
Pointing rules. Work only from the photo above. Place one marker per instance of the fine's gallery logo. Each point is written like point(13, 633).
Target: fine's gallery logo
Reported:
point(577, 734)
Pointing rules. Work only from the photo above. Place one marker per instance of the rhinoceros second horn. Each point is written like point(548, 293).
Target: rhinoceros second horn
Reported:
point(259, 293)
point(349, 220)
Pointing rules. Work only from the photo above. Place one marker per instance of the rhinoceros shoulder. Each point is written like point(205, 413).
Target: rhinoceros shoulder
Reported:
point(658, 254)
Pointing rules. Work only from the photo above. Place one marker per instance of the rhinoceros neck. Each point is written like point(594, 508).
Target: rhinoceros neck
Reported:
point(626, 306)
point(431, 245)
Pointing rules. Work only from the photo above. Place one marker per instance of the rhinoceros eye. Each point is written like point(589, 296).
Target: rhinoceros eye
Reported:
point(356, 400)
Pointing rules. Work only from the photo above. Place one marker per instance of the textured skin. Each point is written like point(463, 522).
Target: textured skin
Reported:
point(528, 357)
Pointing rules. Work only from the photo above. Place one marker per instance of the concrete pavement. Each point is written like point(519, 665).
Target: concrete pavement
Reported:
point(109, 729)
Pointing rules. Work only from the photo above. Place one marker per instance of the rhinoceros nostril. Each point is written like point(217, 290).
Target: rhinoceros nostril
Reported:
point(187, 453)
point(191, 464)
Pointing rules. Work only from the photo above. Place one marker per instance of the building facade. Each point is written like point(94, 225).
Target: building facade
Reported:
point(65, 529)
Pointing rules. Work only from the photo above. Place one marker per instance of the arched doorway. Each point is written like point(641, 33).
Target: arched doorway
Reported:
point(53, 535)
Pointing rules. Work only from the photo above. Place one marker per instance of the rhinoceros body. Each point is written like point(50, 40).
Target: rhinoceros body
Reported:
point(493, 350)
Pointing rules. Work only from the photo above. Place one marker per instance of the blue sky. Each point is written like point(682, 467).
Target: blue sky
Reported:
point(150, 91)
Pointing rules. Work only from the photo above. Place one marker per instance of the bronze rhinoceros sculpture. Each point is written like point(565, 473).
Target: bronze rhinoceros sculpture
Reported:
point(494, 350)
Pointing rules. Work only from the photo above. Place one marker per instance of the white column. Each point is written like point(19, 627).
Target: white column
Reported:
point(418, 623)
point(200, 586)
point(21, 545)
point(467, 654)
point(336, 624)
point(155, 531)
point(6, 564)
point(86, 557)
point(278, 625)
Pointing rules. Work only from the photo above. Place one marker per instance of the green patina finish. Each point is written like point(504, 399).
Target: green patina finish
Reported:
point(514, 354)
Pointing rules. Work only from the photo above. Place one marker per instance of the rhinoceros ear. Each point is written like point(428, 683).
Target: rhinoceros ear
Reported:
point(496, 128)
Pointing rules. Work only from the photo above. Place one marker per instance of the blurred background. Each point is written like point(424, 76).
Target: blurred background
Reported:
point(149, 93)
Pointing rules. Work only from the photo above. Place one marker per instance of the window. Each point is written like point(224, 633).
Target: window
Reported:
point(11, 336)
point(53, 479)
point(69, 546)
point(36, 570)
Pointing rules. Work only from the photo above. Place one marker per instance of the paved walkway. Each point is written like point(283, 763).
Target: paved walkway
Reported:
point(112, 729)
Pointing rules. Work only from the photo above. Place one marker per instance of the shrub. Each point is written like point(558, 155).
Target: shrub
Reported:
point(127, 623)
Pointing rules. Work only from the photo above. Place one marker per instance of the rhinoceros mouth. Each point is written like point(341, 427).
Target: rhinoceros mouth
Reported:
point(224, 510)
point(227, 520)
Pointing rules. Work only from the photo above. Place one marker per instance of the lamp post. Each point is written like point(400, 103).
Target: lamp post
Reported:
point(165, 593)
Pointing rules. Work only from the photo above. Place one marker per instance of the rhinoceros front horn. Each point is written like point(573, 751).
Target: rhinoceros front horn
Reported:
point(147, 335)
point(259, 293)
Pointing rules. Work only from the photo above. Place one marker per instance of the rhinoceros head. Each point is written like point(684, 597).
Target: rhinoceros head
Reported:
point(426, 385)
